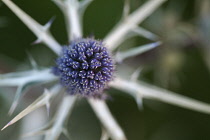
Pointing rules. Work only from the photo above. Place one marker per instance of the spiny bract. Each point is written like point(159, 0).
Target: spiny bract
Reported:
point(85, 67)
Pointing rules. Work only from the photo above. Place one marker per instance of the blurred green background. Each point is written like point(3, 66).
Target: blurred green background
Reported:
point(181, 64)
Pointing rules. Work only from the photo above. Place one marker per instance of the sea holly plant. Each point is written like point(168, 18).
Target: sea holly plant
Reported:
point(85, 68)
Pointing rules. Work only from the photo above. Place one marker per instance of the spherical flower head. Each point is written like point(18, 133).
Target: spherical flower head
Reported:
point(85, 67)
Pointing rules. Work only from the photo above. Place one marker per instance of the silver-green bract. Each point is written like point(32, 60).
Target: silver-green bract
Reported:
point(73, 11)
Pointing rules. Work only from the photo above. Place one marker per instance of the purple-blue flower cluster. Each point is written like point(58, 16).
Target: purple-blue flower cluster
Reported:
point(85, 67)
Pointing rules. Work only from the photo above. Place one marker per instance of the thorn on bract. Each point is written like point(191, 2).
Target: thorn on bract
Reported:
point(6, 126)
point(135, 75)
point(38, 41)
point(32, 61)
point(139, 101)
point(12, 108)
point(49, 23)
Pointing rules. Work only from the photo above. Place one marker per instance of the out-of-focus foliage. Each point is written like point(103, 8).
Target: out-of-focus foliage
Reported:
point(181, 64)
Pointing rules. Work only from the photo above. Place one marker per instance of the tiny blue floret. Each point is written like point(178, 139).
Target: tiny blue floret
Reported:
point(85, 67)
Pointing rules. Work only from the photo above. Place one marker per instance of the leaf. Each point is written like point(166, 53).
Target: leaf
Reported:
point(141, 89)
point(66, 133)
point(19, 93)
point(109, 123)
point(40, 131)
point(83, 5)
point(145, 33)
point(135, 75)
point(34, 26)
point(120, 56)
point(21, 78)
point(61, 116)
point(32, 61)
point(41, 101)
point(139, 101)
point(104, 135)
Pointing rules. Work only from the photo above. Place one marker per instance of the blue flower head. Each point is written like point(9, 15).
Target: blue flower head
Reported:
point(85, 67)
